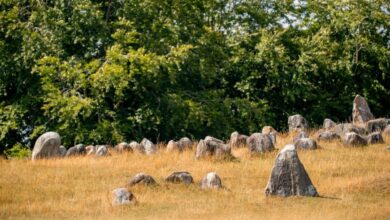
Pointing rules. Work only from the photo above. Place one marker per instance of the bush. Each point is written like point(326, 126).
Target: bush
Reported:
point(18, 151)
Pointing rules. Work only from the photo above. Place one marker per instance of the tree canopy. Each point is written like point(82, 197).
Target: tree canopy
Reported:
point(104, 71)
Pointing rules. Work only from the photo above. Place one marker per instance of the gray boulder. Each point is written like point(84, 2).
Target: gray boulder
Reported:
point(211, 146)
point(180, 177)
point(203, 150)
point(379, 124)
point(300, 135)
point(122, 196)
point(386, 131)
point(211, 181)
point(343, 128)
point(375, 138)
point(288, 176)
point(142, 179)
point(62, 151)
point(260, 143)
point(101, 150)
point(297, 123)
point(148, 146)
point(184, 143)
point(172, 146)
point(135, 146)
point(306, 144)
point(361, 113)
point(47, 146)
point(354, 139)
point(90, 149)
point(76, 150)
point(237, 140)
point(123, 147)
point(270, 131)
point(328, 136)
point(328, 123)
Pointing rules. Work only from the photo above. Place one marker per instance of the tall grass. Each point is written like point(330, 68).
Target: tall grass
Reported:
point(354, 183)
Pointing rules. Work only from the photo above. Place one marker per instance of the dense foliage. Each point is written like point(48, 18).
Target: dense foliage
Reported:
point(103, 71)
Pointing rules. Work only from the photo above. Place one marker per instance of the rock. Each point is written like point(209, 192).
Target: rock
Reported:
point(270, 131)
point(387, 148)
point(76, 150)
point(211, 180)
point(123, 147)
point(375, 138)
point(342, 129)
point(328, 123)
point(172, 146)
point(260, 143)
point(328, 136)
point(379, 124)
point(137, 147)
point(122, 196)
point(62, 151)
point(306, 144)
point(300, 135)
point(386, 131)
point(361, 113)
point(297, 123)
point(180, 177)
point(184, 143)
point(101, 150)
point(90, 149)
point(211, 146)
point(237, 139)
point(47, 146)
point(149, 147)
point(142, 178)
point(288, 176)
point(353, 139)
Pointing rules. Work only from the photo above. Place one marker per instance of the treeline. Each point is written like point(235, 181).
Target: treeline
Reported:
point(107, 71)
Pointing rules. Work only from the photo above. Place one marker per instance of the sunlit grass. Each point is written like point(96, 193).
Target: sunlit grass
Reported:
point(354, 184)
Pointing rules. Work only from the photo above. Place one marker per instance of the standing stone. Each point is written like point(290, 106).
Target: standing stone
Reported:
point(123, 147)
point(76, 150)
point(379, 124)
point(180, 177)
point(328, 136)
point(62, 151)
point(90, 149)
point(260, 143)
point(211, 146)
point(375, 138)
point(270, 131)
point(184, 143)
point(297, 123)
point(300, 135)
point(143, 179)
point(328, 123)
point(137, 147)
point(289, 177)
point(353, 139)
point(386, 131)
point(101, 150)
point(47, 146)
point(212, 181)
point(149, 147)
point(306, 144)
point(342, 129)
point(237, 140)
point(361, 113)
point(172, 146)
point(122, 196)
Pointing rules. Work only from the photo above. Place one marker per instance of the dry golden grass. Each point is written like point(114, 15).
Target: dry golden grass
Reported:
point(354, 184)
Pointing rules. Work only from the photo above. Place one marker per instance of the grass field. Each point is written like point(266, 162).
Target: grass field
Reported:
point(354, 183)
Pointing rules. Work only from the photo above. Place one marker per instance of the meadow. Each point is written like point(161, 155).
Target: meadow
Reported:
point(353, 183)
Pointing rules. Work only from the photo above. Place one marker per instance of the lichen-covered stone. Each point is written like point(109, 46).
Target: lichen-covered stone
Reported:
point(122, 196)
point(180, 177)
point(260, 143)
point(211, 181)
point(47, 146)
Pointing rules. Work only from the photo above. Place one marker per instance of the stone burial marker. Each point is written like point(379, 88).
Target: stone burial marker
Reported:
point(211, 181)
point(142, 179)
point(288, 176)
point(122, 196)
point(361, 113)
point(47, 146)
point(180, 177)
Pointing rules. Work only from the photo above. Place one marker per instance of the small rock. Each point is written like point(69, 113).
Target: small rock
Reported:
point(90, 149)
point(270, 131)
point(306, 144)
point(47, 146)
point(328, 136)
point(375, 138)
point(361, 113)
point(180, 177)
point(123, 147)
point(142, 178)
point(137, 147)
point(62, 151)
point(76, 150)
point(184, 143)
point(297, 123)
point(289, 177)
point(353, 139)
point(172, 146)
point(328, 123)
point(122, 196)
point(237, 139)
point(211, 180)
point(211, 146)
point(379, 124)
point(101, 150)
point(300, 135)
point(149, 147)
point(260, 143)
